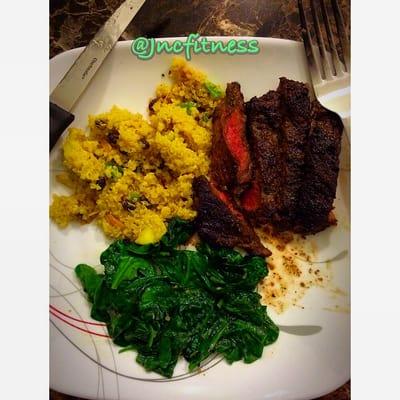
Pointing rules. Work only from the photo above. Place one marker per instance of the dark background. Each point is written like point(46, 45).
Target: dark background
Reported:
point(73, 23)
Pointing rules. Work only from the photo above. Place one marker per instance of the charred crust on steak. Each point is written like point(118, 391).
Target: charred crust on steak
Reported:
point(220, 222)
point(321, 172)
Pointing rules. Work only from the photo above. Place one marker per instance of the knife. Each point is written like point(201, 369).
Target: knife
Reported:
point(75, 81)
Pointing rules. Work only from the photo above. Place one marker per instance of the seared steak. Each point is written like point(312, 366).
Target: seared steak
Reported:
point(294, 148)
point(321, 172)
point(230, 158)
point(278, 123)
point(220, 222)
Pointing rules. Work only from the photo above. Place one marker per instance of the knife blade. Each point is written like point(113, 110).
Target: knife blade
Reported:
point(75, 81)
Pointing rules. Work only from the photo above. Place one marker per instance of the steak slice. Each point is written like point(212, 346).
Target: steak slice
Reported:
point(295, 126)
point(220, 222)
point(263, 200)
point(321, 173)
point(278, 124)
point(230, 157)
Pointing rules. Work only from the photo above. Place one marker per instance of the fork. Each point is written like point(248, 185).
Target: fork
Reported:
point(330, 76)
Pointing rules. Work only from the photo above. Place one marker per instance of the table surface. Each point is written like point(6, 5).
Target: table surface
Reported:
point(73, 23)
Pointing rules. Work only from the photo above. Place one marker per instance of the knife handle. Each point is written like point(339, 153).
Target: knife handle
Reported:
point(60, 119)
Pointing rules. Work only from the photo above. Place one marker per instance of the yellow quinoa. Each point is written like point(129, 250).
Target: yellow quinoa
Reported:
point(130, 174)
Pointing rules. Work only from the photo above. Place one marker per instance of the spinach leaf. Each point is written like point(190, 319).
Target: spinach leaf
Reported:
point(128, 268)
point(179, 231)
point(89, 278)
point(165, 302)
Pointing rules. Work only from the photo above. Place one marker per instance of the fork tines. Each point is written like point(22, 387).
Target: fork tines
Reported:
point(323, 56)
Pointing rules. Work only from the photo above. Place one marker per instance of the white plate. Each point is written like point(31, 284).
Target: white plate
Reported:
point(88, 365)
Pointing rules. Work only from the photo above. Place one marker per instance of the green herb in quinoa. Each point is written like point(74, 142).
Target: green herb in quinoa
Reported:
point(214, 90)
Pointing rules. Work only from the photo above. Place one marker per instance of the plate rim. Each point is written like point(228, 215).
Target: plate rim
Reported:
point(262, 41)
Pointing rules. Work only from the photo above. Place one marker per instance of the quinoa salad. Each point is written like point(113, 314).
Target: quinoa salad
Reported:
point(131, 174)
